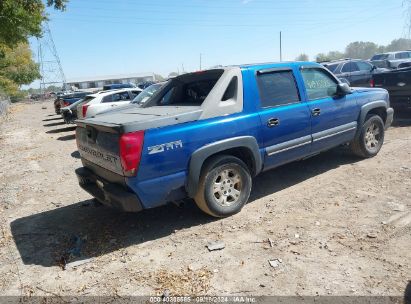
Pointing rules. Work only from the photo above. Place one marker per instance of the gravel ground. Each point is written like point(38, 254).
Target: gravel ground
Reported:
point(330, 225)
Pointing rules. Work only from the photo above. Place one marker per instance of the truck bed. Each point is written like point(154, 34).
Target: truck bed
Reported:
point(132, 118)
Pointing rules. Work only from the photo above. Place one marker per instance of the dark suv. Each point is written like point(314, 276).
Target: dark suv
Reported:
point(357, 72)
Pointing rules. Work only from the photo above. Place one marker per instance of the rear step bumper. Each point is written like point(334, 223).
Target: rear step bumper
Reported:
point(108, 194)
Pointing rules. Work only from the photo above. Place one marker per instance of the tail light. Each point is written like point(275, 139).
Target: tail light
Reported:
point(66, 104)
point(372, 83)
point(84, 110)
point(131, 145)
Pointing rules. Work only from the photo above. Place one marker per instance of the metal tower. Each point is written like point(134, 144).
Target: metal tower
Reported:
point(48, 59)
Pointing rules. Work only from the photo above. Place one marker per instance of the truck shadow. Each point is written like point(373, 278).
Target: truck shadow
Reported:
point(45, 238)
point(67, 137)
point(53, 124)
point(296, 172)
point(51, 119)
point(61, 130)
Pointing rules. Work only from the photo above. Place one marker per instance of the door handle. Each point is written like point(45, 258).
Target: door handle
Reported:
point(273, 122)
point(316, 112)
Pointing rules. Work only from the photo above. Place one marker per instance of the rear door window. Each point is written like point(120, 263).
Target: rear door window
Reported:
point(402, 55)
point(277, 88)
point(350, 67)
point(364, 66)
point(123, 96)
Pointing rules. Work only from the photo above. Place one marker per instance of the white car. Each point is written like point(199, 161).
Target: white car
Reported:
point(106, 100)
point(391, 60)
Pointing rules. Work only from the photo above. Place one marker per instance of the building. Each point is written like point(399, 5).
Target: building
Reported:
point(98, 82)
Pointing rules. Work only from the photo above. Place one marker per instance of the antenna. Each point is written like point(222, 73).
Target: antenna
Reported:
point(50, 67)
point(281, 46)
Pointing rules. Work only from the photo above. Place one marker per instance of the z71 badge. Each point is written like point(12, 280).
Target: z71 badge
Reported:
point(165, 147)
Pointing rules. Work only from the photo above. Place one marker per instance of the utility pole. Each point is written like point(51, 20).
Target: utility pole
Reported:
point(200, 60)
point(281, 47)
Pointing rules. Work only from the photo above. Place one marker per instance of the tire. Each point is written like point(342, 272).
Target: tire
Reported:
point(225, 186)
point(370, 139)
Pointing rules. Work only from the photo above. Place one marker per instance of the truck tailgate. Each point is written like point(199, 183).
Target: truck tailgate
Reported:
point(98, 137)
point(99, 147)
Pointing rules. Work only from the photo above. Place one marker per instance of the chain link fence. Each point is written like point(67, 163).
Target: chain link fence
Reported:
point(4, 104)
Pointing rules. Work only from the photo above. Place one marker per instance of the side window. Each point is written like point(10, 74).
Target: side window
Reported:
point(107, 98)
point(363, 66)
point(115, 97)
point(277, 88)
point(231, 91)
point(167, 98)
point(319, 84)
point(402, 55)
point(350, 67)
point(124, 96)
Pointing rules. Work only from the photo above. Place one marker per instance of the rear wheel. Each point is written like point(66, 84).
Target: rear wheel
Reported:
point(371, 137)
point(225, 186)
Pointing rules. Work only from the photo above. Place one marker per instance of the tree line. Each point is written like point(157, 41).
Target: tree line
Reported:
point(20, 20)
point(361, 50)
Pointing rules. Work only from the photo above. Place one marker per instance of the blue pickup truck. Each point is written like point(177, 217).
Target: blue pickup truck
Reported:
point(204, 135)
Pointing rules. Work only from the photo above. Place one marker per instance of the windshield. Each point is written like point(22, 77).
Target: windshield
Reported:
point(146, 94)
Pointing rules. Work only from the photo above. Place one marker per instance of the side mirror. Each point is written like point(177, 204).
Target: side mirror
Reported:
point(343, 89)
point(373, 68)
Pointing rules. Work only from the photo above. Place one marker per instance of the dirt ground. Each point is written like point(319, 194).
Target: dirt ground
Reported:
point(337, 226)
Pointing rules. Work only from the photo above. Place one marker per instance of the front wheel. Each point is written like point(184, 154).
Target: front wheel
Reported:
point(225, 186)
point(370, 139)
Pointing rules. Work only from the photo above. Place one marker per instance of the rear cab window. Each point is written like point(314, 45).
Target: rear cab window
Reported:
point(187, 90)
point(277, 88)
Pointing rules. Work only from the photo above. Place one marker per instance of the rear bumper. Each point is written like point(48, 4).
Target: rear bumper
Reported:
point(109, 194)
point(390, 118)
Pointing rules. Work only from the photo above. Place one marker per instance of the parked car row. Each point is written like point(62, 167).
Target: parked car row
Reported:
point(103, 101)
point(355, 72)
point(67, 100)
point(205, 135)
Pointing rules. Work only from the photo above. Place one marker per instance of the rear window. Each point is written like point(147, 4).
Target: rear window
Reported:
point(277, 88)
point(187, 90)
point(379, 57)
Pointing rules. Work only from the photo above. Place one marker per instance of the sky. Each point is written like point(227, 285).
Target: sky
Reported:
point(104, 37)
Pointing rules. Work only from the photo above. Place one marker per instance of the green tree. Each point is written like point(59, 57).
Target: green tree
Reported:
point(21, 19)
point(361, 50)
point(302, 57)
point(335, 55)
point(401, 44)
point(17, 68)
